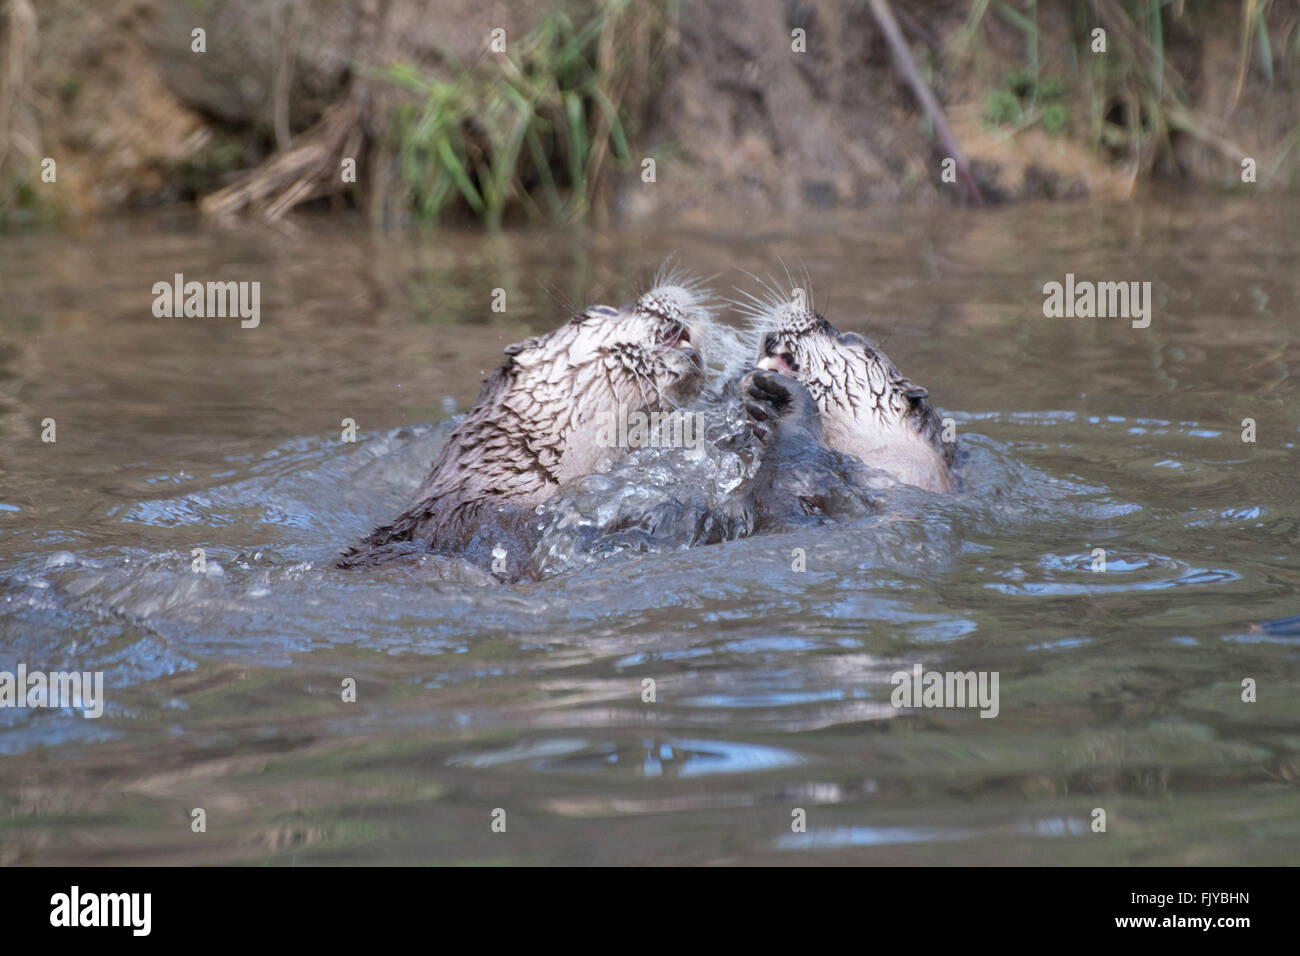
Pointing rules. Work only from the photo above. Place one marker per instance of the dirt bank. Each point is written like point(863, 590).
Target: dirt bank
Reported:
point(766, 105)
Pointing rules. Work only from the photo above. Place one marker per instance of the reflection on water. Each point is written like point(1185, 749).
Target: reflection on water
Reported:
point(649, 758)
point(836, 838)
point(1120, 689)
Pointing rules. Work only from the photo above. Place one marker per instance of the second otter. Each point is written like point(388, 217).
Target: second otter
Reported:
point(869, 409)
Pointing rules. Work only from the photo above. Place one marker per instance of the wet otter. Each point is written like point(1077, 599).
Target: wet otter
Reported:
point(761, 469)
point(868, 408)
point(830, 419)
point(799, 479)
point(536, 423)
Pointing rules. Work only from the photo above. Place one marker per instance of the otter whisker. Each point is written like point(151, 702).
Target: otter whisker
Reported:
point(776, 297)
point(757, 308)
point(665, 268)
point(638, 377)
point(554, 295)
point(671, 273)
point(789, 279)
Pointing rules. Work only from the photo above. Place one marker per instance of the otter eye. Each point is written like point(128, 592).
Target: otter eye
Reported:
point(519, 347)
point(594, 312)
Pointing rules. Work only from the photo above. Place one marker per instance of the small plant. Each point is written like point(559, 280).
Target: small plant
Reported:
point(1003, 108)
point(1024, 98)
point(1056, 118)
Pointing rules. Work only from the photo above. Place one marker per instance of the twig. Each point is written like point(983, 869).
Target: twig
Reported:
point(921, 90)
point(308, 168)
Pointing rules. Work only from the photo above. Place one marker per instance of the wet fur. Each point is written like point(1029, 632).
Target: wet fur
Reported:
point(535, 424)
point(868, 408)
point(830, 412)
point(799, 480)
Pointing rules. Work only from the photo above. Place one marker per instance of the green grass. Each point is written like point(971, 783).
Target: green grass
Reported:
point(1026, 97)
point(535, 128)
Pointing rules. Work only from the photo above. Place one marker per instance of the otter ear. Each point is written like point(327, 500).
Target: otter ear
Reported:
point(524, 346)
point(852, 339)
point(915, 394)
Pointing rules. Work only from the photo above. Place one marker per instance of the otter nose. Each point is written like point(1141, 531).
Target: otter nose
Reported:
point(783, 362)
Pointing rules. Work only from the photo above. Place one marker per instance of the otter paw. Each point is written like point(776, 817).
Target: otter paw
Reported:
point(771, 398)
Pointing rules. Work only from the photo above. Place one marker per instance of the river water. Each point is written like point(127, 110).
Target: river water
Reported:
point(1120, 689)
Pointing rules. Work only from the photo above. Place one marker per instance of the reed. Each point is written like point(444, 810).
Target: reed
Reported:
point(1132, 99)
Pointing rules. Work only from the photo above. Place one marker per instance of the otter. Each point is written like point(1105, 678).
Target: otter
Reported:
point(799, 480)
point(536, 424)
point(830, 418)
point(868, 408)
point(762, 469)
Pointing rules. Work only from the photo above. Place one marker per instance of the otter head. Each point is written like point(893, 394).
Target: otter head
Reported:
point(641, 357)
point(869, 409)
point(540, 418)
point(538, 421)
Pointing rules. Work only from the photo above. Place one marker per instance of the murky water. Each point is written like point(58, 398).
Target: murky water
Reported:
point(1119, 690)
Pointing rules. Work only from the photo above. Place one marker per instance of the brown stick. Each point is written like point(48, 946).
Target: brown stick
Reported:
point(920, 89)
point(17, 65)
point(310, 167)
